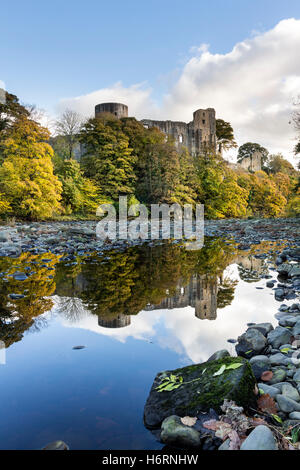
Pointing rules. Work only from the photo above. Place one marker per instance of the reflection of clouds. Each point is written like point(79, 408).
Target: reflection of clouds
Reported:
point(180, 331)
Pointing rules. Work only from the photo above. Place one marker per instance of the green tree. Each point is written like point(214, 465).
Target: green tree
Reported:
point(225, 135)
point(108, 159)
point(11, 110)
point(79, 194)
point(248, 149)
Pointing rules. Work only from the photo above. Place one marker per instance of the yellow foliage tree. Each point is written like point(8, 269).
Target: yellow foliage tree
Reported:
point(26, 175)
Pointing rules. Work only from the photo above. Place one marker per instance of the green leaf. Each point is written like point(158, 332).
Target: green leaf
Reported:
point(248, 352)
point(277, 418)
point(234, 366)
point(295, 434)
point(203, 371)
point(220, 371)
point(285, 350)
point(261, 391)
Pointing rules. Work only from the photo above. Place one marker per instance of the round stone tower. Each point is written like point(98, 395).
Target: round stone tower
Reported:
point(117, 109)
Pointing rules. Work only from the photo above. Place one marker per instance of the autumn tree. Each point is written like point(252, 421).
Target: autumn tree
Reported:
point(26, 175)
point(277, 163)
point(220, 192)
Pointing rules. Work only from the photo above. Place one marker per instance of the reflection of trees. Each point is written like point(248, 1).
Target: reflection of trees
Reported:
point(225, 293)
point(72, 308)
point(130, 281)
point(115, 285)
point(16, 316)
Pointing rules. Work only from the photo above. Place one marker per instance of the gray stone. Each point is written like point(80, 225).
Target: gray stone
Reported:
point(279, 375)
point(225, 445)
point(277, 359)
point(261, 438)
point(295, 271)
point(288, 320)
point(272, 391)
point(173, 432)
point(270, 284)
point(296, 376)
point(56, 445)
point(264, 328)
point(286, 404)
point(284, 269)
point(279, 294)
point(290, 392)
point(260, 358)
point(250, 343)
point(279, 336)
point(4, 236)
point(296, 329)
point(295, 415)
point(259, 367)
point(219, 355)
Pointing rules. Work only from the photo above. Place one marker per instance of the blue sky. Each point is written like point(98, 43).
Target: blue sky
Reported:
point(64, 49)
point(55, 49)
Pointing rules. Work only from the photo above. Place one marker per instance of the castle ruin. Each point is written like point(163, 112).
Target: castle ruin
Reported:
point(197, 136)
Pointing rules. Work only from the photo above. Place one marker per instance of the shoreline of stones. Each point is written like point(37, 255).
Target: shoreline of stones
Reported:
point(274, 355)
point(79, 237)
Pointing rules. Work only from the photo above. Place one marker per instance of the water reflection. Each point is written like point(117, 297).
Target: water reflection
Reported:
point(117, 286)
point(137, 312)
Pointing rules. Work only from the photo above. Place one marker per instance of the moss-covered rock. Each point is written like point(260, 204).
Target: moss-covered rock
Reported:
point(207, 391)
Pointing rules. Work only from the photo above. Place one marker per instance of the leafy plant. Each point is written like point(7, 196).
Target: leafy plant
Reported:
point(172, 382)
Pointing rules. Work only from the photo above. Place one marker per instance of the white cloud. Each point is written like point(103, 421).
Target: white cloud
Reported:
point(2, 84)
point(137, 97)
point(253, 86)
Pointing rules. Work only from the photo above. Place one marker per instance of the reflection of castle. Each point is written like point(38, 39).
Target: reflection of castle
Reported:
point(117, 322)
point(200, 293)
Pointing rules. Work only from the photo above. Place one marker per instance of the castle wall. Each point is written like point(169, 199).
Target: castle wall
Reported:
point(252, 163)
point(196, 135)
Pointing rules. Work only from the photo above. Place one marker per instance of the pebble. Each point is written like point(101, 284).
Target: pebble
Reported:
point(261, 438)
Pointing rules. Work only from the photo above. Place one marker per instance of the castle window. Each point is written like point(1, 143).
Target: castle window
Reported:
point(203, 121)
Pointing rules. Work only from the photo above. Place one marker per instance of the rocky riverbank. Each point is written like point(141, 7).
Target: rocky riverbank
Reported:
point(249, 402)
point(80, 237)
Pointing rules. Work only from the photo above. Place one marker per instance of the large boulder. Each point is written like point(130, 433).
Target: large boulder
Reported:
point(201, 390)
point(251, 343)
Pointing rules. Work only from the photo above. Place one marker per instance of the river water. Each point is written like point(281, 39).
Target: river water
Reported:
point(136, 312)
